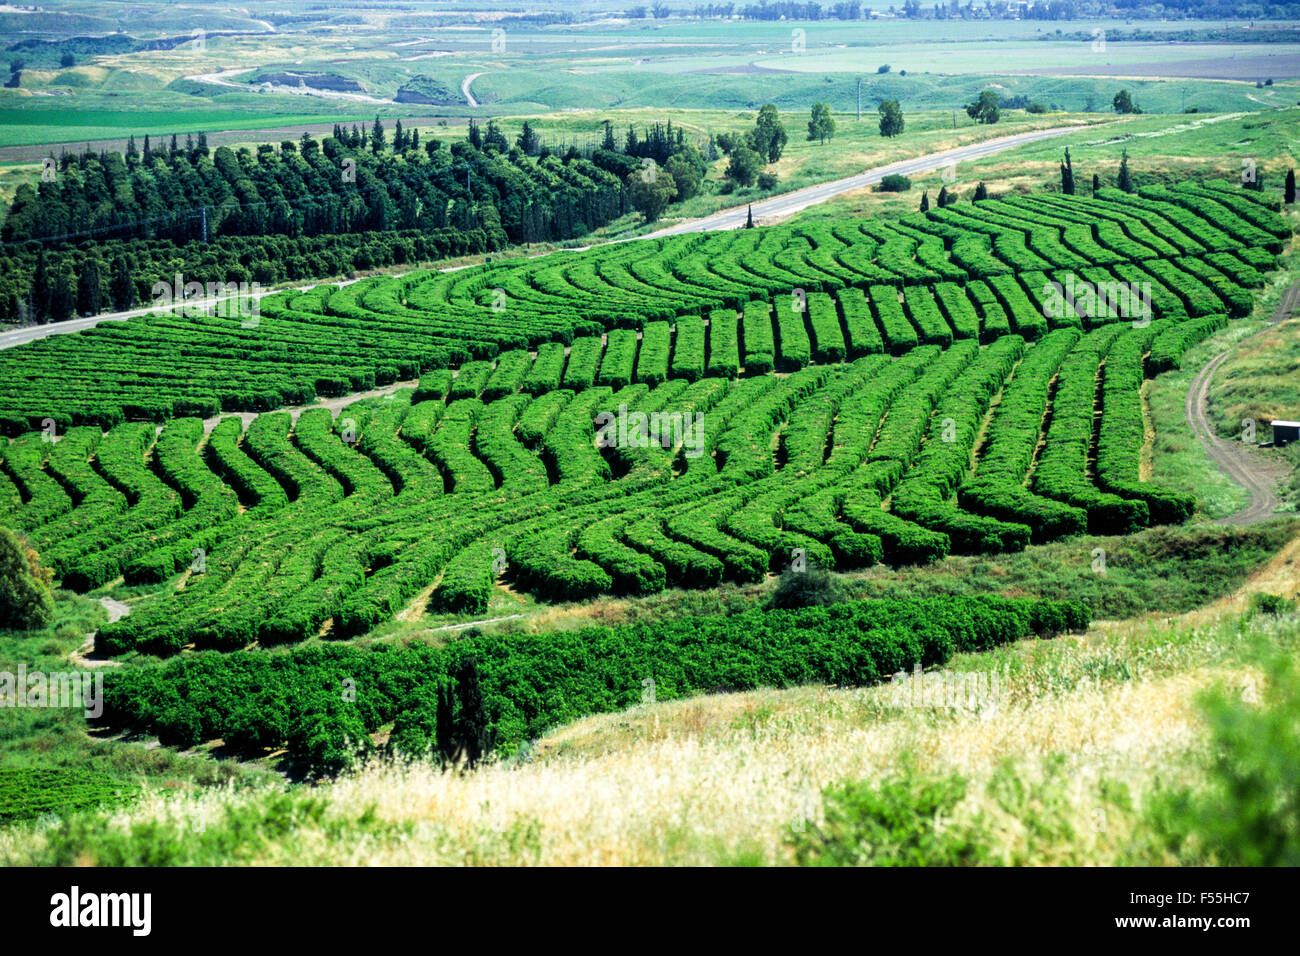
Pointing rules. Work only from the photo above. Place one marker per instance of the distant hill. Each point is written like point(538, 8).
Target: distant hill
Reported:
point(425, 89)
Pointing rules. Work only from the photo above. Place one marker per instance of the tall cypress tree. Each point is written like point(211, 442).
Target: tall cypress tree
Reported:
point(463, 728)
point(121, 286)
point(1067, 174)
point(1125, 181)
point(90, 295)
point(40, 290)
point(1290, 186)
point(62, 299)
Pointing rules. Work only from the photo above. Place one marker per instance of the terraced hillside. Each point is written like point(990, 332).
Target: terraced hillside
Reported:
point(611, 426)
point(968, 270)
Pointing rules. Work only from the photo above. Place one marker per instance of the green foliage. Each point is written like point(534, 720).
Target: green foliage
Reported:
point(529, 683)
point(333, 536)
point(895, 183)
point(744, 166)
point(1270, 605)
point(1123, 103)
point(769, 135)
point(821, 125)
point(891, 118)
point(26, 602)
point(985, 109)
point(650, 191)
point(899, 822)
point(30, 793)
point(811, 587)
point(1249, 815)
point(244, 833)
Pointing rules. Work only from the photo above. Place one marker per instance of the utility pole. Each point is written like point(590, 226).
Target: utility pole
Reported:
point(205, 223)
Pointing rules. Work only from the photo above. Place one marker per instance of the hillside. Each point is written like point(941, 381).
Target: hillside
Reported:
point(1087, 736)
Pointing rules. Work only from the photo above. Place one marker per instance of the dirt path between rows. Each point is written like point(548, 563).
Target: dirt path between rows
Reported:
point(335, 405)
point(116, 611)
point(1243, 463)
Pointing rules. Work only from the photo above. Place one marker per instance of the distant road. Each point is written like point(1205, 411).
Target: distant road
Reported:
point(33, 332)
point(464, 88)
point(778, 206)
point(789, 203)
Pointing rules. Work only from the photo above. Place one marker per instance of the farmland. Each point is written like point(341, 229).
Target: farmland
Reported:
point(748, 471)
point(438, 436)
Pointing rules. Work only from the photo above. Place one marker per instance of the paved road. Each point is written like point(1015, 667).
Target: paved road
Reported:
point(1244, 464)
point(33, 332)
point(790, 203)
point(777, 206)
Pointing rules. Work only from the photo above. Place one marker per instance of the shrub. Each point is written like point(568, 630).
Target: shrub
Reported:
point(1249, 815)
point(890, 824)
point(814, 587)
point(1270, 604)
point(26, 602)
point(895, 183)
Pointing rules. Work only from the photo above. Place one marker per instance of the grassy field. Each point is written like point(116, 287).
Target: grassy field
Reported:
point(1260, 381)
point(679, 63)
point(1161, 149)
point(1082, 755)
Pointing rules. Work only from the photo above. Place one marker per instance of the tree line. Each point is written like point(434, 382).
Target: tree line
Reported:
point(350, 182)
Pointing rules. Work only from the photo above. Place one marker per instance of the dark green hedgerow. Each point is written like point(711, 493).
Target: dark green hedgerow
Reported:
point(322, 701)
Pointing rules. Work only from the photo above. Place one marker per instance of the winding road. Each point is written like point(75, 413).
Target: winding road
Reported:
point(1243, 463)
point(464, 88)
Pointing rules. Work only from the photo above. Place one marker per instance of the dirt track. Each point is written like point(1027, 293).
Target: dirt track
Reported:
point(1243, 463)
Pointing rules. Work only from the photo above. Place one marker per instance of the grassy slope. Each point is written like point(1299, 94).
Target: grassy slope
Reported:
point(56, 738)
point(1088, 728)
point(1261, 380)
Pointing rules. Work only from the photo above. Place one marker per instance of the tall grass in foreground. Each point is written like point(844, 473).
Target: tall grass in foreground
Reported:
point(1097, 752)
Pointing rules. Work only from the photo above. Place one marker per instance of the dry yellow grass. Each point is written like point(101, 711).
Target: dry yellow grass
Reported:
point(723, 778)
